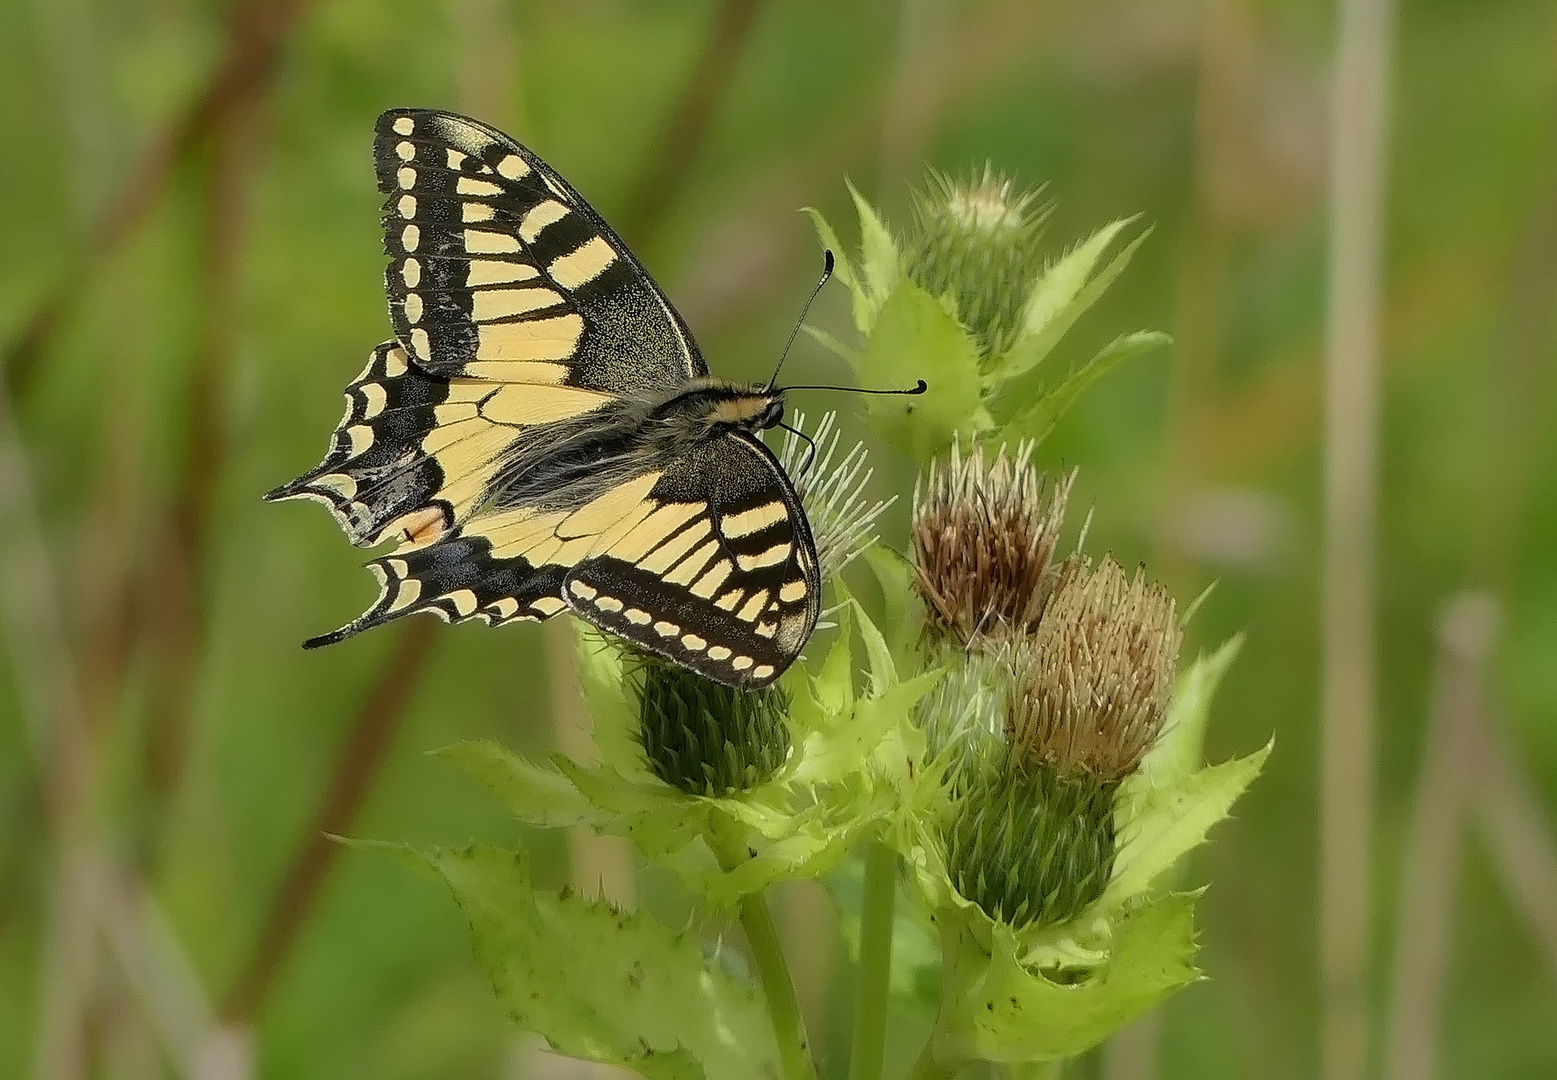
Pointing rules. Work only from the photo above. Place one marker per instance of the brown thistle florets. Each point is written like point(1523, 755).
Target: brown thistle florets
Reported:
point(1093, 684)
point(984, 535)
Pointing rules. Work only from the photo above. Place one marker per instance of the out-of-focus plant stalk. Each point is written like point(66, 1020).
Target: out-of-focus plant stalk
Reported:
point(870, 1009)
point(1357, 160)
point(778, 988)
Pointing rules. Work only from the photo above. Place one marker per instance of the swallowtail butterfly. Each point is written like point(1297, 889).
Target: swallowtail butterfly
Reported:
point(543, 435)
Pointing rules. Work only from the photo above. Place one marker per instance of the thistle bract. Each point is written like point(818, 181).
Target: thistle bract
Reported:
point(706, 738)
point(1030, 845)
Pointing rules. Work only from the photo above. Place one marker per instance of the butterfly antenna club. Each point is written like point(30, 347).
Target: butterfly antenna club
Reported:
point(827, 272)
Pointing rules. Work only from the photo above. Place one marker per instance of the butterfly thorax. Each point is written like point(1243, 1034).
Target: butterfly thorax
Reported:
point(707, 408)
point(567, 464)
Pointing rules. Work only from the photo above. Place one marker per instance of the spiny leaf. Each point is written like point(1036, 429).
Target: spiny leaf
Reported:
point(914, 337)
point(880, 267)
point(604, 985)
point(1061, 295)
point(1178, 750)
point(998, 1010)
point(1158, 825)
point(538, 793)
point(1039, 420)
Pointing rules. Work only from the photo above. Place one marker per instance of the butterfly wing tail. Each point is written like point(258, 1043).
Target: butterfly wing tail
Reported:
point(457, 579)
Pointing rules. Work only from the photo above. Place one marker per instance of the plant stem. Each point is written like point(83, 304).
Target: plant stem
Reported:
point(870, 1011)
point(777, 988)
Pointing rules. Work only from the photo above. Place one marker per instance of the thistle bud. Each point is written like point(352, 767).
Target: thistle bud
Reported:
point(706, 738)
point(984, 535)
point(1029, 845)
point(975, 242)
point(1093, 687)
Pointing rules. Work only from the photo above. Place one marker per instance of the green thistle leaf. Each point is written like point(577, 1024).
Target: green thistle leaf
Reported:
point(1180, 748)
point(997, 1009)
point(915, 337)
point(880, 266)
point(603, 985)
point(536, 793)
point(1157, 825)
point(1038, 421)
point(1061, 295)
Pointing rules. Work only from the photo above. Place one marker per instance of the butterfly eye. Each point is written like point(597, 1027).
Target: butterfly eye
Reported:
point(773, 414)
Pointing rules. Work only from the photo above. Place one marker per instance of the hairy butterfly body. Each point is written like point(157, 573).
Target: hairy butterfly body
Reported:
point(543, 434)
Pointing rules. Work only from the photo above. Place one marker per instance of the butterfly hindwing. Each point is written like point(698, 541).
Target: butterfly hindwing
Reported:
point(457, 579)
point(720, 575)
point(500, 270)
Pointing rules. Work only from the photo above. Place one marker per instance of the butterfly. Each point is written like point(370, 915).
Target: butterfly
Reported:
point(542, 433)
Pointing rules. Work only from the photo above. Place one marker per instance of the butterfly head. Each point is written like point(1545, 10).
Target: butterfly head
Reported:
point(752, 408)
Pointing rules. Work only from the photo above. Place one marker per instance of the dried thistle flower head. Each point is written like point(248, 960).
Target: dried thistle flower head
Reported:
point(1092, 689)
point(975, 241)
point(842, 520)
point(984, 534)
point(707, 738)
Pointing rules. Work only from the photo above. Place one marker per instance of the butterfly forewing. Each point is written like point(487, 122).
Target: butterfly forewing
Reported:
point(500, 270)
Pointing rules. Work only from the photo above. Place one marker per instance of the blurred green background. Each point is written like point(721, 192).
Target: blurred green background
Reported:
point(190, 273)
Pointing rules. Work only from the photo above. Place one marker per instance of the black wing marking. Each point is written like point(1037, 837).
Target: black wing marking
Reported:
point(457, 579)
point(500, 566)
point(721, 577)
point(500, 270)
point(414, 453)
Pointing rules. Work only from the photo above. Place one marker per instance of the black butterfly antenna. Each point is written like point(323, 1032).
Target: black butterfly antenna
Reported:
point(827, 272)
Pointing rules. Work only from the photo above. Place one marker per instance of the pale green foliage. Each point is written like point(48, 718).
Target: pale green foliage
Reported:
point(1079, 980)
point(604, 985)
point(909, 334)
point(800, 823)
point(1037, 421)
point(915, 337)
point(997, 1007)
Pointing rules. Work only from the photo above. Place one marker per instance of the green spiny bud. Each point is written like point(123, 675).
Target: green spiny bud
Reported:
point(1031, 846)
point(975, 242)
point(707, 738)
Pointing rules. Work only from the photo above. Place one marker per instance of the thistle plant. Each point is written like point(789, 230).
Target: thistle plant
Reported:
point(1004, 771)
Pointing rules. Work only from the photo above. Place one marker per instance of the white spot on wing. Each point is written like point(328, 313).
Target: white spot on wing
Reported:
point(404, 125)
point(545, 214)
point(583, 264)
point(469, 185)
